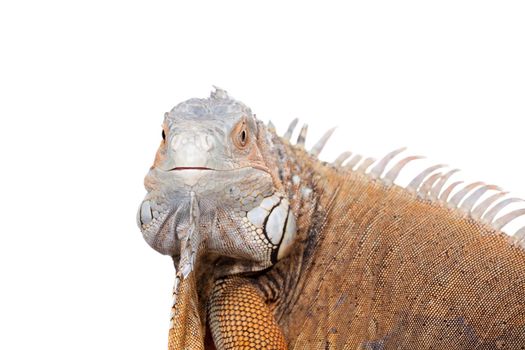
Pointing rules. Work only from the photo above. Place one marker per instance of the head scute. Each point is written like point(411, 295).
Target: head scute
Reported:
point(219, 93)
point(216, 107)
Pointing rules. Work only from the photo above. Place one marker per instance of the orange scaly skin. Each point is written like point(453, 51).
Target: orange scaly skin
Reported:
point(240, 319)
point(377, 267)
point(186, 331)
point(369, 265)
point(386, 269)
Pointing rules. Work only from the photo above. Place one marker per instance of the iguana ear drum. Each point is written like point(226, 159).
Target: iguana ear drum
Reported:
point(274, 216)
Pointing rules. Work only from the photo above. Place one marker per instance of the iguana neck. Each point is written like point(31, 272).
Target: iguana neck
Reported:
point(304, 178)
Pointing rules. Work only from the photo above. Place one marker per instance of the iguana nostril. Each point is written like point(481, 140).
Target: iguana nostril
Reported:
point(145, 215)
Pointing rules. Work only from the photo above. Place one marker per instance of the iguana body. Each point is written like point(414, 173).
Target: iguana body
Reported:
point(368, 265)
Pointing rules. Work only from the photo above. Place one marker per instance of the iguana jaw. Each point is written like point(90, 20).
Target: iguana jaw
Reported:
point(241, 216)
point(228, 194)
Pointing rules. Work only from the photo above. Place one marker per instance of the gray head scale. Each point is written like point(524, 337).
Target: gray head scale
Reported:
point(213, 187)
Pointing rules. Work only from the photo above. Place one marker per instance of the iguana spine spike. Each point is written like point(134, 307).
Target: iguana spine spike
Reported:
point(288, 134)
point(424, 189)
point(393, 173)
point(318, 147)
point(519, 236)
point(505, 219)
point(456, 199)
point(341, 159)
point(353, 162)
point(174, 297)
point(365, 164)
point(483, 206)
point(471, 200)
point(491, 214)
point(436, 190)
point(301, 139)
point(378, 170)
point(271, 126)
point(416, 182)
point(446, 193)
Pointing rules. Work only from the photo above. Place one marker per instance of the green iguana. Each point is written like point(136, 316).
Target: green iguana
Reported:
point(275, 249)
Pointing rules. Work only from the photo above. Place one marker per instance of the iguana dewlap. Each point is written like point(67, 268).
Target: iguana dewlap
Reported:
point(275, 249)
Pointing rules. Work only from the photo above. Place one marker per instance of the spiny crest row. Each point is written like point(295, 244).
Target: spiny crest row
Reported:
point(428, 185)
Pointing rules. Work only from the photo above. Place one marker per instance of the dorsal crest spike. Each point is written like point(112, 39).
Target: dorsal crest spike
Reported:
point(318, 147)
point(519, 236)
point(365, 164)
point(469, 202)
point(353, 162)
point(505, 219)
point(483, 206)
point(491, 214)
point(341, 159)
point(456, 199)
point(436, 190)
point(424, 189)
point(414, 184)
point(301, 139)
point(446, 193)
point(271, 127)
point(378, 170)
point(393, 173)
point(288, 134)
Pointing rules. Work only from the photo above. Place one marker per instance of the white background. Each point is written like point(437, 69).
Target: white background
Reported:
point(84, 85)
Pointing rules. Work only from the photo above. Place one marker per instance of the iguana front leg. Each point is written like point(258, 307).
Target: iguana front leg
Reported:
point(239, 317)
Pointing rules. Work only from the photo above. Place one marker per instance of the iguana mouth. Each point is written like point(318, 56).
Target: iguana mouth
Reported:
point(190, 168)
point(180, 168)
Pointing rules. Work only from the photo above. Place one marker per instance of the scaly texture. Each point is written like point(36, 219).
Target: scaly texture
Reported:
point(275, 249)
point(240, 319)
point(385, 269)
point(186, 328)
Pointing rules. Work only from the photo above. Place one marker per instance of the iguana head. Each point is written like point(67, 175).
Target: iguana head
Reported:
point(214, 187)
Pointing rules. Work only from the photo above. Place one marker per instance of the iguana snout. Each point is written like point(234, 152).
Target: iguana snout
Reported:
point(191, 150)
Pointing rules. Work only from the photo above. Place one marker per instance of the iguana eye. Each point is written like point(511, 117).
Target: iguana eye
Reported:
point(163, 135)
point(240, 135)
point(243, 137)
